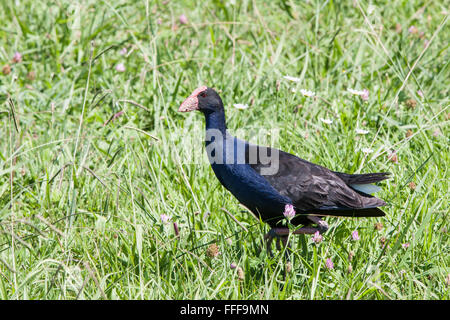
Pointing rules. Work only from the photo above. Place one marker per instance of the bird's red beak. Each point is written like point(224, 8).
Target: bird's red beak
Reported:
point(191, 103)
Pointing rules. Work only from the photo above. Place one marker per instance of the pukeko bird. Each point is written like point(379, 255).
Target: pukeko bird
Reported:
point(273, 184)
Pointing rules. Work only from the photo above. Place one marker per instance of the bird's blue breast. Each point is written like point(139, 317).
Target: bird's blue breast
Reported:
point(227, 158)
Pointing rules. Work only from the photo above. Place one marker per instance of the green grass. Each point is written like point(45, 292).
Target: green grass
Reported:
point(80, 201)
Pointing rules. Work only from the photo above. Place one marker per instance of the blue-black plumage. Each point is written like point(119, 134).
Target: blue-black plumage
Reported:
point(311, 189)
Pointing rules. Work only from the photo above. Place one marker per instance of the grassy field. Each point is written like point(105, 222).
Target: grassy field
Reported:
point(93, 150)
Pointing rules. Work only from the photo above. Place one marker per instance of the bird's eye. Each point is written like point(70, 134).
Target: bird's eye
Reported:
point(203, 94)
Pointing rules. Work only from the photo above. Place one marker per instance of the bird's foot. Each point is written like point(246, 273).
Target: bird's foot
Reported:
point(282, 234)
point(322, 225)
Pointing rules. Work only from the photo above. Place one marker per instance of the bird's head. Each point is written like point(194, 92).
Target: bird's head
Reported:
point(203, 99)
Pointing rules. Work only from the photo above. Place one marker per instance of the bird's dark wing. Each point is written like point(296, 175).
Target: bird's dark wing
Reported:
point(312, 187)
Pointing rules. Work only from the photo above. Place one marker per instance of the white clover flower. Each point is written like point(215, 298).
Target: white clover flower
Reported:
point(240, 106)
point(164, 218)
point(355, 92)
point(327, 121)
point(292, 78)
point(361, 131)
point(123, 51)
point(120, 67)
point(420, 93)
point(329, 264)
point(365, 95)
point(183, 19)
point(307, 93)
point(413, 29)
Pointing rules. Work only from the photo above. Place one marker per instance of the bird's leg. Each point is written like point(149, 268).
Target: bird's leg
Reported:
point(275, 233)
point(283, 233)
point(306, 230)
point(278, 245)
point(268, 237)
point(284, 240)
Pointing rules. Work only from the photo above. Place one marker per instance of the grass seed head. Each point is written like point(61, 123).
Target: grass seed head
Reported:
point(288, 267)
point(409, 133)
point(6, 69)
point(411, 104)
point(383, 242)
point(240, 273)
point(212, 251)
point(351, 254)
point(31, 75)
point(392, 156)
point(378, 226)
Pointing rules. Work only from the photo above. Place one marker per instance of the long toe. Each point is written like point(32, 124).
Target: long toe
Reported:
point(322, 225)
point(306, 230)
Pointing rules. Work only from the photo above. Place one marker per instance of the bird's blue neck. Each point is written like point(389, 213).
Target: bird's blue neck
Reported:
point(215, 139)
point(216, 120)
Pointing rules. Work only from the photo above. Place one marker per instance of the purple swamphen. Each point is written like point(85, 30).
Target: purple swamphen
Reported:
point(274, 184)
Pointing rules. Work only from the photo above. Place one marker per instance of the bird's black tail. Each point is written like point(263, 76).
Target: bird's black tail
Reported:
point(356, 213)
point(364, 178)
